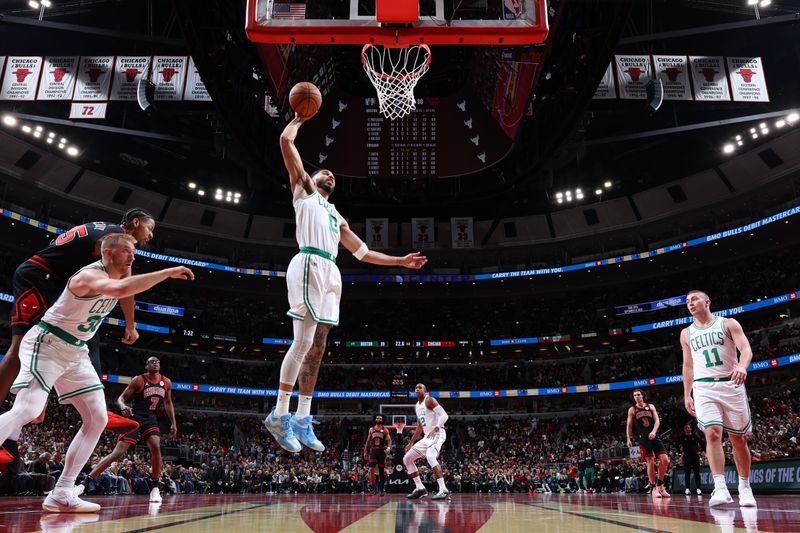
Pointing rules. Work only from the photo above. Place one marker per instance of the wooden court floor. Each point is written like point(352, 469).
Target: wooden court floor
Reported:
point(466, 513)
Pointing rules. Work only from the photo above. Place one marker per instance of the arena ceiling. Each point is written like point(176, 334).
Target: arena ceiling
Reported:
point(567, 141)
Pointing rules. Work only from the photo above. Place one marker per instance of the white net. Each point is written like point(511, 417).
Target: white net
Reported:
point(395, 72)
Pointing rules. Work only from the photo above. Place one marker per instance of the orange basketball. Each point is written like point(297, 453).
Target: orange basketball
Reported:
point(305, 98)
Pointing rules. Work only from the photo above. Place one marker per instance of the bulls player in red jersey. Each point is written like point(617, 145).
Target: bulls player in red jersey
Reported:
point(378, 444)
point(643, 420)
point(39, 281)
point(151, 391)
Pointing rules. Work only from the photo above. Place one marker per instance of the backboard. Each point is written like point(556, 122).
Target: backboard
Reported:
point(458, 22)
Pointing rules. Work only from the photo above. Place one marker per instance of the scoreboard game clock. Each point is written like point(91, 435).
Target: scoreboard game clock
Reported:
point(399, 386)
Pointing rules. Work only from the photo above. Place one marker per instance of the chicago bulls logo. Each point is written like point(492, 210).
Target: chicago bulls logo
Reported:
point(94, 74)
point(21, 74)
point(130, 74)
point(168, 73)
point(58, 74)
point(672, 73)
point(709, 74)
point(747, 74)
point(635, 73)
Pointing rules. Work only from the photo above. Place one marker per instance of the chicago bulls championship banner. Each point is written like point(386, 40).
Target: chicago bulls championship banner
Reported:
point(195, 88)
point(606, 89)
point(423, 233)
point(58, 78)
point(673, 71)
point(709, 79)
point(748, 83)
point(94, 78)
point(169, 74)
point(377, 233)
point(633, 74)
point(128, 70)
point(21, 78)
point(461, 232)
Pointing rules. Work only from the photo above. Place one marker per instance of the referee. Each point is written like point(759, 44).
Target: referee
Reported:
point(691, 446)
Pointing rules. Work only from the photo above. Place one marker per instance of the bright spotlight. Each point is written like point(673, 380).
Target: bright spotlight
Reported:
point(738, 137)
point(51, 134)
point(39, 128)
point(765, 3)
point(755, 136)
point(740, 143)
point(46, 3)
point(237, 195)
point(764, 131)
point(598, 192)
point(63, 140)
point(61, 145)
point(792, 118)
point(236, 200)
point(752, 2)
point(752, 130)
point(72, 151)
point(26, 128)
point(728, 148)
point(560, 200)
point(559, 195)
point(762, 125)
point(578, 191)
point(192, 185)
point(201, 192)
point(37, 134)
point(9, 120)
point(781, 123)
point(579, 196)
point(34, 4)
point(607, 185)
point(49, 140)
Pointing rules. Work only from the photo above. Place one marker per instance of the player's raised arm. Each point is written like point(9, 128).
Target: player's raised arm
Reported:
point(93, 281)
point(441, 414)
point(359, 249)
point(739, 374)
point(299, 180)
point(688, 373)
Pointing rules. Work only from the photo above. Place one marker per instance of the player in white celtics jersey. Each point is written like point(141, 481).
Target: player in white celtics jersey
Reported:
point(315, 287)
point(53, 354)
point(715, 375)
point(431, 418)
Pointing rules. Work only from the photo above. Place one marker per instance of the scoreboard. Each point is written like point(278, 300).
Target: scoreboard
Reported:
point(442, 137)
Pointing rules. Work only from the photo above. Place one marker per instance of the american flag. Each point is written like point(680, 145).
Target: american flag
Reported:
point(289, 11)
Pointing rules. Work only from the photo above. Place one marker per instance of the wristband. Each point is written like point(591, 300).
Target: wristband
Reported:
point(361, 252)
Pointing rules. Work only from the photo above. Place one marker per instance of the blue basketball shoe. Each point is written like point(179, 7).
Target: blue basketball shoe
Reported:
point(281, 428)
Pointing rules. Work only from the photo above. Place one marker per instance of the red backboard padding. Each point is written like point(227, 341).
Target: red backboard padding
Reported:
point(397, 11)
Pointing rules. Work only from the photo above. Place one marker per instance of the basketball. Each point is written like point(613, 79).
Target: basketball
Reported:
point(305, 98)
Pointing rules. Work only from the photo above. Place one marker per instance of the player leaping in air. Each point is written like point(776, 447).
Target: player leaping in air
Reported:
point(315, 287)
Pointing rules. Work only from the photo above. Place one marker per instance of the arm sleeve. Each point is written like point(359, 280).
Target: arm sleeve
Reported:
point(440, 412)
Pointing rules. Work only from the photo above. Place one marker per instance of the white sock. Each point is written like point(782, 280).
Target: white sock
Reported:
point(304, 406)
point(283, 402)
point(92, 408)
point(418, 483)
point(719, 482)
point(744, 482)
point(440, 481)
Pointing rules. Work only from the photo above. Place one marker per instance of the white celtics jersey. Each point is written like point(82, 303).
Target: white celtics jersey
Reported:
point(77, 316)
point(317, 223)
point(427, 418)
point(713, 350)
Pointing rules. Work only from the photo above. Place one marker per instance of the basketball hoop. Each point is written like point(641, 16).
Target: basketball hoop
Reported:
point(399, 426)
point(395, 72)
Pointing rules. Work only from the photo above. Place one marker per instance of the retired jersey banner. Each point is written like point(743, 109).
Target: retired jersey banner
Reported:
point(94, 78)
point(195, 88)
point(709, 79)
point(606, 89)
point(58, 78)
point(169, 74)
point(21, 78)
point(377, 233)
point(461, 232)
point(673, 71)
point(633, 73)
point(748, 83)
point(422, 233)
point(128, 70)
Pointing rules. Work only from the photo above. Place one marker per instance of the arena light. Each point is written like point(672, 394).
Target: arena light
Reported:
point(740, 143)
point(560, 200)
point(192, 185)
point(37, 134)
point(39, 129)
point(237, 195)
point(51, 135)
point(752, 130)
point(792, 118)
point(33, 4)
point(201, 192)
point(598, 192)
point(755, 136)
point(559, 195)
point(765, 3)
point(781, 123)
point(46, 3)
point(752, 2)
point(63, 140)
point(9, 120)
point(762, 125)
point(579, 196)
point(49, 140)
point(738, 137)
point(236, 200)
point(728, 148)
point(607, 185)
point(61, 145)
point(73, 151)
point(764, 131)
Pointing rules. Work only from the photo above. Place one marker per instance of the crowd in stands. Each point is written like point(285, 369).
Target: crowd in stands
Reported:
point(234, 454)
